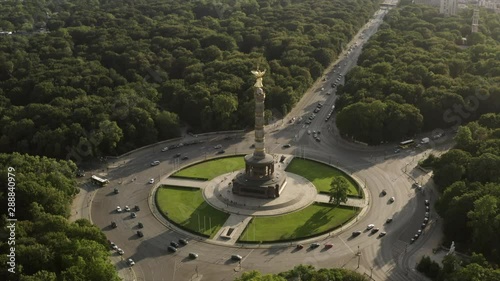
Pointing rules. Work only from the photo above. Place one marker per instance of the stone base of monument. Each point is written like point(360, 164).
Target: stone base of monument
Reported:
point(298, 194)
point(260, 188)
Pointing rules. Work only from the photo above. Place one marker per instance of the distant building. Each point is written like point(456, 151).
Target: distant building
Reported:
point(428, 2)
point(448, 7)
point(490, 4)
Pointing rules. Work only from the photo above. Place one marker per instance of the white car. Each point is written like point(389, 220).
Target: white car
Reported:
point(392, 199)
point(130, 262)
point(118, 209)
point(152, 181)
point(127, 209)
point(370, 226)
point(165, 149)
point(218, 146)
point(120, 251)
point(155, 163)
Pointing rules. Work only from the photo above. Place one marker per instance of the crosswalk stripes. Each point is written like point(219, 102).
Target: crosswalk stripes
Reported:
point(398, 248)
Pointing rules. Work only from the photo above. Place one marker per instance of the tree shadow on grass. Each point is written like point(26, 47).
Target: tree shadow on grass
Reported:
point(312, 225)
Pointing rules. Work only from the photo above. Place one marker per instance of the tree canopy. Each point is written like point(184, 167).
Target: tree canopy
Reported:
point(421, 71)
point(113, 75)
point(468, 178)
point(48, 246)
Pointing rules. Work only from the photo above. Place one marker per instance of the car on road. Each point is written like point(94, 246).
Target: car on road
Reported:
point(389, 220)
point(427, 208)
point(392, 199)
point(177, 155)
point(155, 163)
point(221, 152)
point(137, 208)
point(236, 258)
point(318, 139)
point(423, 225)
point(139, 233)
point(130, 262)
point(152, 181)
point(174, 244)
point(133, 215)
point(397, 150)
point(118, 209)
point(382, 234)
point(113, 245)
point(375, 230)
point(427, 203)
point(328, 245)
point(113, 224)
point(185, 158)
point(219, 146)
point(172, 249)
point(140, 225)
point(308, 122)
point(164, 149)
point(120, 251)
point(183, 241)
point(116, 191)
point(356, 233)
point(383, 192)
point(370, 226)
point(427, 214)
point(300, 246)
point(127, 209)
point(193, 255)
point(287, 145)
point(314, 245)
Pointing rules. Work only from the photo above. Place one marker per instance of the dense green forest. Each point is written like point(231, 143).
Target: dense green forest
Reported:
point(417, 73)
point(47, 246)
point(305, 273)
point(108, 76)
point(469, 181)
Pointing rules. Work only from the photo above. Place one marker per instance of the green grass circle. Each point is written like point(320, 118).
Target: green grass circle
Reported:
point(186, 208)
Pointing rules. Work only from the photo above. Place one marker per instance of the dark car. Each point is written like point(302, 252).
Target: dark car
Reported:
point(356, 233)
point(139, 233)
point(221, 152)
point(236, 258)
point(185, 158)
point(113, 224)
point(389, 220)
point(314, 245)
point(174, 244)
point(172, 249)
point(140, 225)
point(183, 241)
point(137, 208)
point(116, 191)
point(426, 202)
point(383, 192)
point(287, 146)
point(300, 246)
point(374, 230)
point(177, 155)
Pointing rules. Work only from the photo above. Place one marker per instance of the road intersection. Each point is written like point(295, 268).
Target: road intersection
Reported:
point(377, 168)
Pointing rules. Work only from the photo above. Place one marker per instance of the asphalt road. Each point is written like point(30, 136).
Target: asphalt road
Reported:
point(378, 167)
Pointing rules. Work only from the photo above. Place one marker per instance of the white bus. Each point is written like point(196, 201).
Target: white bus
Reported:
point(406, 143)
point(99, 181)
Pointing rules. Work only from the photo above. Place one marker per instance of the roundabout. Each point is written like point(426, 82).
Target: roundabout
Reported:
point(291, 206)
point(387, 258)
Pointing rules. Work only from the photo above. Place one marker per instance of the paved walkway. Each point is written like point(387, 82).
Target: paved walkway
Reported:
point(353, 202)
point(184, 182)
point(236, 224)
